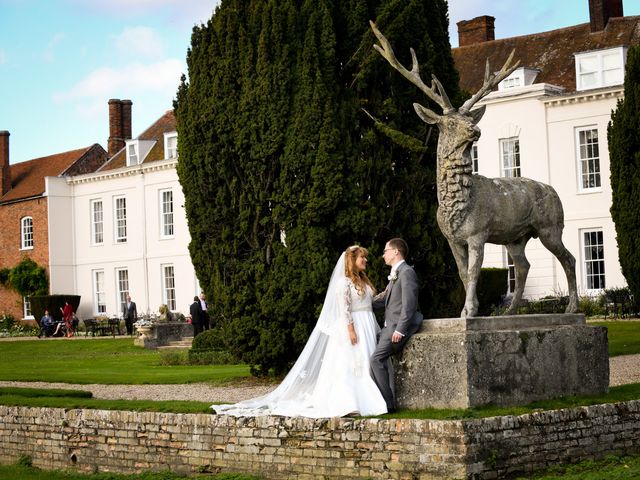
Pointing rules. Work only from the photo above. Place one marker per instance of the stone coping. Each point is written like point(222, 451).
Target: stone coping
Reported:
point(505, 322)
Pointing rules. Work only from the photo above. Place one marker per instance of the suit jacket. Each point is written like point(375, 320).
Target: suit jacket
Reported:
point(400, 301)
point(196, 313)
point(131, 312)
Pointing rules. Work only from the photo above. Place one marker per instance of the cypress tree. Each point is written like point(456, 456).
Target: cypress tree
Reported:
point(624, 154)
point(282, 170)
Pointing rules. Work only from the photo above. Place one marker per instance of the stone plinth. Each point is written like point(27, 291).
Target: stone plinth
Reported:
point(509, 360)
point(160, 334)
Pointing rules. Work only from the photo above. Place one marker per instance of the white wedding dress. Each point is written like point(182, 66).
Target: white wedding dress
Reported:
point(331, 377)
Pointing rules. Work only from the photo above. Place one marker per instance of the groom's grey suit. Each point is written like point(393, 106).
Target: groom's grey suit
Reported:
point(400, 302)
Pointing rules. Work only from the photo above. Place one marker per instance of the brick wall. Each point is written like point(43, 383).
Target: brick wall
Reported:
point(10, 253)
point(281, 447)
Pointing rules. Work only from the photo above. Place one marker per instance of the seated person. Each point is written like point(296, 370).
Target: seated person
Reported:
point(46, 325)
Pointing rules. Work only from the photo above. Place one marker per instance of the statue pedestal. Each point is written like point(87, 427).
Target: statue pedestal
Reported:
point(506, 361)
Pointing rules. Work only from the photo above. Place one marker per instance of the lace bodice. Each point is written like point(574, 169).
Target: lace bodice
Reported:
point(352, 301)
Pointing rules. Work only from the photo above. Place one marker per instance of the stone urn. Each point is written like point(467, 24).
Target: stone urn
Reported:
point(144, 335)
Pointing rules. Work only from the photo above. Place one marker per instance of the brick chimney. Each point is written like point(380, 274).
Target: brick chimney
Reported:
point(600, 11)
point(477, 30)
point(119, 125)
point(5, 171)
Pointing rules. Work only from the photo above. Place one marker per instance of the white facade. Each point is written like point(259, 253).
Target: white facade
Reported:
point(117, 232)
point(547, 125)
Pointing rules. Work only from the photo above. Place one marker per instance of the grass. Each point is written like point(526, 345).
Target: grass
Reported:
point(69, 399)
point(610, 468)
point(105, 361)
point(118, 361)
point(24, 471)
point(624, 337)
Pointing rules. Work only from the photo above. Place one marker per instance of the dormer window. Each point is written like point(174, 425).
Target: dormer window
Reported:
point(132, 153)
point(520, 77)
point(171, 145)
point(601, 68)
point(137, 151)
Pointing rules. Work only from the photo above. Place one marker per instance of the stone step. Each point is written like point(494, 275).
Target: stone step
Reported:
point(183, 344)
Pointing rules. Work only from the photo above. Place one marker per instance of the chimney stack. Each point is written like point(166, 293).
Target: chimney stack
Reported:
point(5, 171)
point(119, 125)
point(600, 11)
point(477, 30)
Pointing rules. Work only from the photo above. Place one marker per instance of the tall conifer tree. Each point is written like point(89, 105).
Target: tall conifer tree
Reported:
point(282, 170)
point(624, 154)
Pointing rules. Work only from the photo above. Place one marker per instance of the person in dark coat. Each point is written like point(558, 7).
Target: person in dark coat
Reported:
point(130, 314)
point(196, 316)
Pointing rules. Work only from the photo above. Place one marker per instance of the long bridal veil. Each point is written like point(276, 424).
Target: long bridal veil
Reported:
point(292, 397)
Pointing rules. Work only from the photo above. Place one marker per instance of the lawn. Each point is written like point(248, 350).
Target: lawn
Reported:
point(105, 361)
point(624, 336)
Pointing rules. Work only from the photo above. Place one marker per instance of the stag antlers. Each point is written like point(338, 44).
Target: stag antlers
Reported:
point(436, 92)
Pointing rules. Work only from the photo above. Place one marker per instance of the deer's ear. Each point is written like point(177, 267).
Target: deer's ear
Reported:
point(426, 115)
point(477, 114)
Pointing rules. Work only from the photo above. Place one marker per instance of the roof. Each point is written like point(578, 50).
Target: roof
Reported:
point(166, 123)
point(551, 52)
point(27, 178)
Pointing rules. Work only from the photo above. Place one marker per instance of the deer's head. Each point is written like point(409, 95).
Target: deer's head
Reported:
point(458, 127)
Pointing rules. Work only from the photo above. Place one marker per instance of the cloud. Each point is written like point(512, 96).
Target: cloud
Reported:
point(143, 41)
point(134, 79)
point(181, 12)
point(49, 50)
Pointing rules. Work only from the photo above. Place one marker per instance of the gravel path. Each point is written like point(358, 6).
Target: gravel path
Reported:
point(623, 369)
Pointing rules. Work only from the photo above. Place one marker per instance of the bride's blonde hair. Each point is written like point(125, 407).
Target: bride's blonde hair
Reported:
point(359, 279)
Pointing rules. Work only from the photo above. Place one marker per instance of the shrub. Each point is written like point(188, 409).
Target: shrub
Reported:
point(173, 357)
point(210, 340)
point(492, 287)
point(10, 327)
point(204, 357)
point(210, 348)
point(591, 306)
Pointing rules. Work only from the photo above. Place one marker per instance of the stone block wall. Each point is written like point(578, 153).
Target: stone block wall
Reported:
point(339, 448)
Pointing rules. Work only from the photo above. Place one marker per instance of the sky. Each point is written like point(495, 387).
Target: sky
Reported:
point(62, 60)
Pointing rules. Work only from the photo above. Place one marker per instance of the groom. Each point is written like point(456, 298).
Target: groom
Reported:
point(401, 316)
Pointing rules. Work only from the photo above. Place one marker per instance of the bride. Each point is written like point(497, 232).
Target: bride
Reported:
point(331, 376)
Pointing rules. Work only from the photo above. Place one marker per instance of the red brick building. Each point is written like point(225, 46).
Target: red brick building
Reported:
point(24, 208)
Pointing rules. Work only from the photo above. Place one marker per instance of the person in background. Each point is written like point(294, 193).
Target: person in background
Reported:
point(205, 312)
point(129, 313)
point(196, 316)
point(46, 325)
point(67, 317)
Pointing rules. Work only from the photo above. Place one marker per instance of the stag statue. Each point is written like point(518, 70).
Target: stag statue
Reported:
point(474, 210)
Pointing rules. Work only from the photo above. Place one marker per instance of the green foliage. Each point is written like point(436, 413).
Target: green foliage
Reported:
point(210, 348)
point(492, 287)
point(4, 276)
point(27, 278)
point(282, 170)
point(209, 340)
point(53, 303)
point(10, 327)
point(173, 357)
point(24, 461)
point(624, 154)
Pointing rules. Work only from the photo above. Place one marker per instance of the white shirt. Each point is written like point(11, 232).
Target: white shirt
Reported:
point(395, 267)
